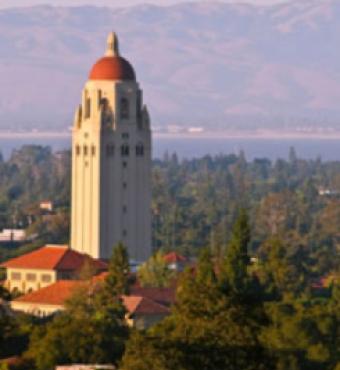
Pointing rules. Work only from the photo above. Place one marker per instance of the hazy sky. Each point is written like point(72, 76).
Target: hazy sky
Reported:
point(11, 3)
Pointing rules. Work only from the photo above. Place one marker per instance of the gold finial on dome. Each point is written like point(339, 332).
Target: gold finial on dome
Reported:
point(112, 45)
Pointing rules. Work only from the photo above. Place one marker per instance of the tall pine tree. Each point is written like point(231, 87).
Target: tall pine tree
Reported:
point(118, 279)
point(234, 275)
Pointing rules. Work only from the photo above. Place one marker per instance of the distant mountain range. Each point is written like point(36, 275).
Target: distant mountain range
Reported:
point(208, 64)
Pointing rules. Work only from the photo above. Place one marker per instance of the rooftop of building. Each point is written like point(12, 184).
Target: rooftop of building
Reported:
point(174, 257)
point(58, 293)
point(138, 305)
point(53, 257)
point(112, 66)
point(55, 294)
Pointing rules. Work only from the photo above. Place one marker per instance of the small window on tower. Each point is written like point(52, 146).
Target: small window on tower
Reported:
point(124, 108)
point(124, 185)
point(124, 233)
point(85, 150)
point(124, 164)
point(93, 150)
point(77, 150)
point(139, 150)
point(125, 150)
point(124, 209)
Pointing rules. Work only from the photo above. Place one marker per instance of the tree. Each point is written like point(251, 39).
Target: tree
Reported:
point(118, 279)
point(150, 353)
point(284, 272)
point(54, 229)
point(14, 332)
point(205, 273)
point(302, 335)
point(155, 272)
point(235, 270)
point(4, 294)
point(91, 330)
point(207, 329)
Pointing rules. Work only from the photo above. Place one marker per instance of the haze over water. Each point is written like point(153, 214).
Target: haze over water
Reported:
point(327, 149)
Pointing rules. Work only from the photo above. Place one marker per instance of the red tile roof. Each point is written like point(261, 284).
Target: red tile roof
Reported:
point(143, 306)
point(53, 257)
point(55, 294)
point(164, 296)
point(174, 257)
point(100, 277)
point(58, 293)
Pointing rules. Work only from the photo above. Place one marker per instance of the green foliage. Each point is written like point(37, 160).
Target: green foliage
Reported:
point(52, 229)
point(91, 330)
point(284, 271)
point(4, 293)
point(306, 334)
point(208, 327)
point(118, 279)
point(235, 269)
point(155, 272)
point(205, 273)
point(194, 203)
point(229, 314)
point(14, 333)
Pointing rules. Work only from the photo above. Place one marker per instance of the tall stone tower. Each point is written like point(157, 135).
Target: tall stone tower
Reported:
point(111, 162)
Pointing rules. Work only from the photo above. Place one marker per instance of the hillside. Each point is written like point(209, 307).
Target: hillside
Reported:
point(207, 64)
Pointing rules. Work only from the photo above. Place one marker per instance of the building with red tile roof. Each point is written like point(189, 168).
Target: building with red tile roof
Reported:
point(145, 306)
point(48, 300)
point(174, 257)
point(175, 261)
point(143, 312)
point(45, 266)
point(163, 296)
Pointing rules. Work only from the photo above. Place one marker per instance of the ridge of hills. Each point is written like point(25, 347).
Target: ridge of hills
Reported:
point(214, 65)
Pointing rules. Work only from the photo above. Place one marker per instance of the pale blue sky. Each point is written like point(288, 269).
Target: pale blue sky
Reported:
point(120, 3)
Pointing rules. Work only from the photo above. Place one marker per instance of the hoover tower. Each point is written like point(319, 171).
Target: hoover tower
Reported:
point(111, 162)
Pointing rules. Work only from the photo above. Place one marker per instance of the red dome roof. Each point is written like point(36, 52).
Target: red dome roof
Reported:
point(112, 68)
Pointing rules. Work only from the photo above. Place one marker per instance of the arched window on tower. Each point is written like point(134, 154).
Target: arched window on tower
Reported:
point(87, 112)
point(139, 150)
point(125, 150)
point(99, 97)
point(124, 108)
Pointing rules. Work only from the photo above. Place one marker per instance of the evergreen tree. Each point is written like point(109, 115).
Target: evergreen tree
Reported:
point(205, 273)
point(118, 279)
point(235, 276)
point(283, 272)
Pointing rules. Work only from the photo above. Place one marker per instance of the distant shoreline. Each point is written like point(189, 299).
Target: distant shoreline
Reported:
point(264, 135)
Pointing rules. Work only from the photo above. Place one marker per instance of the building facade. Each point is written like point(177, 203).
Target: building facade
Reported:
point(45, 266)
point(142, 311)
point(111, 162)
